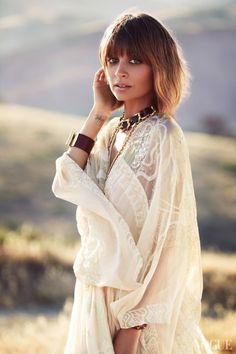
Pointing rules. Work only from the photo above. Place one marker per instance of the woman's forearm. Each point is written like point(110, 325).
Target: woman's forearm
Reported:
point(91, 128)
point(126, 339)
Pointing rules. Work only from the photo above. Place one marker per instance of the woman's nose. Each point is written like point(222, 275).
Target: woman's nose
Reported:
point(121, 71)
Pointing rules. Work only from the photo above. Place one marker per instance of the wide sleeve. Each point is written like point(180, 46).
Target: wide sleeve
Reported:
point(106, 241)
point(94, 172)
point(169, 241)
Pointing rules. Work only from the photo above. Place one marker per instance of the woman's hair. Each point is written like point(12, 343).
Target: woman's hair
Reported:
point(142, 37)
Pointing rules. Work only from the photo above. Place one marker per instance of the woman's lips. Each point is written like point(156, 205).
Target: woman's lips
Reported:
point(121, 87)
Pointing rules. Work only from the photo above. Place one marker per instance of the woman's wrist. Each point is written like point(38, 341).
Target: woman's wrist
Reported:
point(94, 122)
point(101, 111)
point(135, 329)
point(87, 135)
point(131, 332)
point(139, 327)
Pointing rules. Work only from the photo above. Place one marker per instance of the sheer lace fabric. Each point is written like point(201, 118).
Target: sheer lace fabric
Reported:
point(140, 256)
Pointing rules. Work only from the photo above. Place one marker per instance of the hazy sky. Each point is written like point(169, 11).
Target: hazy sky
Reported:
point(103, 9)
point(25, 23)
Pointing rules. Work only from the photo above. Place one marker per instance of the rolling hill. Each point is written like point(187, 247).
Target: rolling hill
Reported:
point(31, 140)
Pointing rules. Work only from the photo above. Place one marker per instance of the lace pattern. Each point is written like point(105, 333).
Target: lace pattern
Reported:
point(141, 154)
point(77, 175)
point(134, 190)
point(155, 313)
point(149, 341)
point(168, 251)
point(86, 265)
point(137, 148)
point(90, 257)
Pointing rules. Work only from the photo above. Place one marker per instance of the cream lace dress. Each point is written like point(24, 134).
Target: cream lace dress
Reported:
point(140, 255)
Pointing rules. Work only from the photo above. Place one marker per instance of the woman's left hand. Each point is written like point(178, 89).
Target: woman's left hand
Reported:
point(126, 341)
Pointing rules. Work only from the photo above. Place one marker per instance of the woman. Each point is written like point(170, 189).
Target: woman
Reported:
point(138, 272)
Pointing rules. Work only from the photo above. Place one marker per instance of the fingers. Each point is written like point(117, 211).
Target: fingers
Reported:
point(100, 75)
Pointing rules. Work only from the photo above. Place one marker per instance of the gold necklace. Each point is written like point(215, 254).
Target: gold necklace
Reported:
point(122, 148)
point(125, 142)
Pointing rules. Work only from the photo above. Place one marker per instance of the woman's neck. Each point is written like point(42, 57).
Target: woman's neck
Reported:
point(131, 110)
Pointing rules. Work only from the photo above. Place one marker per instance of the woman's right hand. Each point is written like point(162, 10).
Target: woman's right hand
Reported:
point(126, 341)
point(104, 100)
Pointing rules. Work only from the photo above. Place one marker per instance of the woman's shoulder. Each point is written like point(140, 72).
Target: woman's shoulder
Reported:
point(113, 121)
point(162, 125)
point(167, 126)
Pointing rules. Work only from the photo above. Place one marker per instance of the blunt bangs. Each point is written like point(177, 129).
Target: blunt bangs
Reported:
point(126, 39)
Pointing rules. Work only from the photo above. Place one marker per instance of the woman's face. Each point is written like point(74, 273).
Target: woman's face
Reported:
point(130, 80)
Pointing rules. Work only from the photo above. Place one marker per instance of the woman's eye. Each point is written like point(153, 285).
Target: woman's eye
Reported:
point(111, 60)
point(135, 61)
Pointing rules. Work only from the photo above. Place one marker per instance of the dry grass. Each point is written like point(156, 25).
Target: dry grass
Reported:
point(221, 332)
point(30, 141)
point(28, 242)
point(219, 262)
point(35, 268)
point(45, 332)
point(34, 333)
point(214, 166)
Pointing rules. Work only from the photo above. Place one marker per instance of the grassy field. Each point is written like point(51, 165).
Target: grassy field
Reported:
point(40, 333)
point(34, 319)
point(31, 140)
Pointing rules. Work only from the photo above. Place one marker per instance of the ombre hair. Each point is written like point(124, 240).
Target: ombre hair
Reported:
point(142, 37)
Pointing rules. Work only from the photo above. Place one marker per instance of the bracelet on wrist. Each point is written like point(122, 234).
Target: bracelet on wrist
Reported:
point(80, 141)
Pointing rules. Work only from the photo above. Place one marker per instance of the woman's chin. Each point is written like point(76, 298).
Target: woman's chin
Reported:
point(121, 97)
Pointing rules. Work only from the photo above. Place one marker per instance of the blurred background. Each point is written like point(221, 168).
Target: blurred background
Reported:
point(48, 56)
